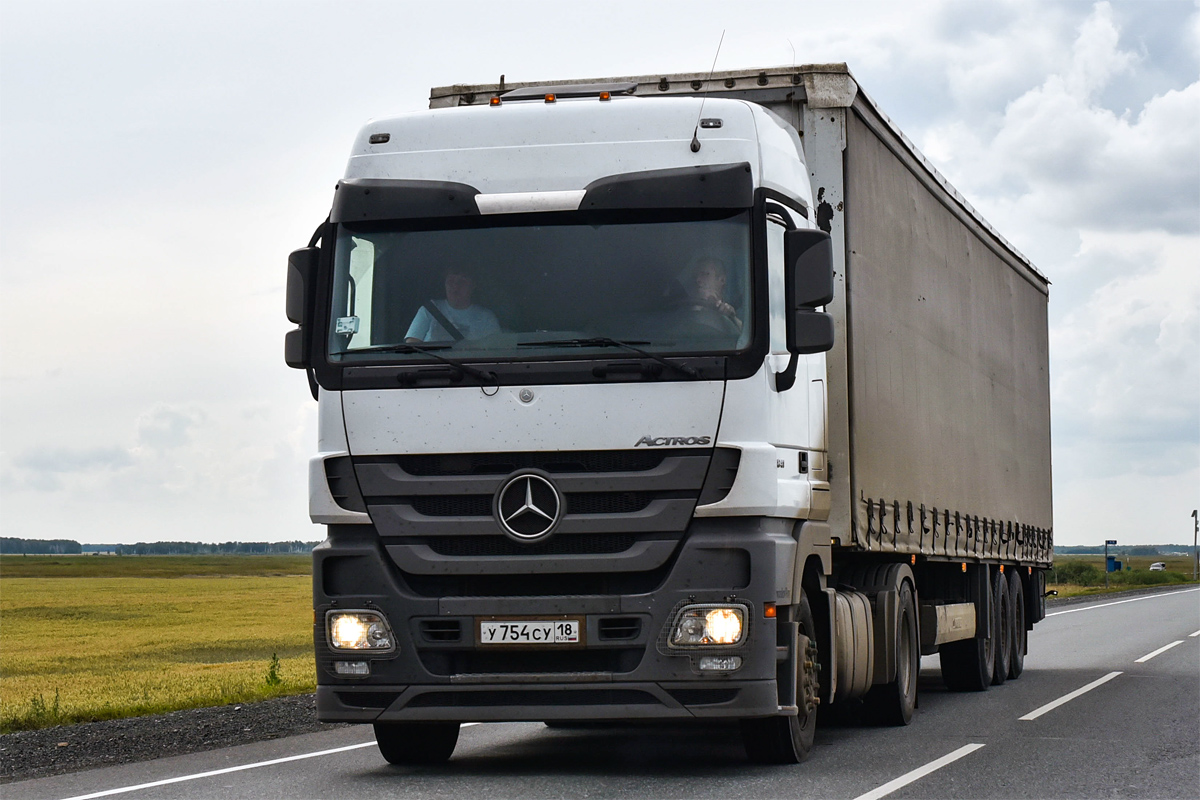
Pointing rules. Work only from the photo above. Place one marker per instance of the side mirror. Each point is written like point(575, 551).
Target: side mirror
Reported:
point(808, 284)
point(302, 267)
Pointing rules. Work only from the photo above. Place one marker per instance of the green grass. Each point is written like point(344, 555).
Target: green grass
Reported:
point(99, 637)
point(108, 566)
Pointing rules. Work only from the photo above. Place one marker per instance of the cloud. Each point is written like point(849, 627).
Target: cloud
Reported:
point(164, 428)
point(1125, 372)
point(1069, 161)
point(44, 470)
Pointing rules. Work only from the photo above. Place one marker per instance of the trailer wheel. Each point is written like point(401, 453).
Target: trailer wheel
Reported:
point(1002, 625)
point(893, 703)
point(789, 740)
point(416, 742)
point(967, 664)
point(1020, 636)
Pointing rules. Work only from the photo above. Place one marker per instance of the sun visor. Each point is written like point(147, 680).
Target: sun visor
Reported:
point(708, 186)
point(366, 199)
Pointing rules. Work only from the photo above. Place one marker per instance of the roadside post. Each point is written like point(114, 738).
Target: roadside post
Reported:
point(1195, 552)
point(1107, 565)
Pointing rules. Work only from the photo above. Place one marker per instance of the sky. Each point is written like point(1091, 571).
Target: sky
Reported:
point(159, 160)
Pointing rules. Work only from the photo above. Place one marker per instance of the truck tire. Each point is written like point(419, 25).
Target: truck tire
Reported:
point(416, 742)
point(1002, 626)
point(967, 665)
point(1020, 635)
point(893, 703)
point(789, 740)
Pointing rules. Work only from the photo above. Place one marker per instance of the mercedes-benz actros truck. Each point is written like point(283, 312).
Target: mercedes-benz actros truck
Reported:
point(698, 396)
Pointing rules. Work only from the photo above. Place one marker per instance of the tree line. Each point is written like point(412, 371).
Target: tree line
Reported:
point(12, 546)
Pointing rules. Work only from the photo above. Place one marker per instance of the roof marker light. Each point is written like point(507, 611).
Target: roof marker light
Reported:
point(495, 101)
point(550, 98)
point(605, 96)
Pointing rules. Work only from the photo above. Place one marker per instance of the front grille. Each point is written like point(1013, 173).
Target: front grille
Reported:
point(504, 463)
point(441, 505)
point(610, 492)
point(577, 544)
point(528, 662)
point(545, 585)
point(480, 505)
point(608, 502)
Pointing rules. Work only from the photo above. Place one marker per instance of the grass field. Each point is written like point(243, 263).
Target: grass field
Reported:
point(1084, 574)
point(99, 637)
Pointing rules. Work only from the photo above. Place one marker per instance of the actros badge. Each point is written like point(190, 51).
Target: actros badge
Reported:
point(528, 506)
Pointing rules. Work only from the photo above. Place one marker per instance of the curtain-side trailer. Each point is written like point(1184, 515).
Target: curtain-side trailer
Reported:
point(665, 397)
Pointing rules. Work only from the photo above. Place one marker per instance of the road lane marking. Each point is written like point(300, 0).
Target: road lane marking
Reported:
point(1066, 698)
point(1157, 652)
point(1119, 602)
point(918, 773)
point(1193, 635)
point(197, 776)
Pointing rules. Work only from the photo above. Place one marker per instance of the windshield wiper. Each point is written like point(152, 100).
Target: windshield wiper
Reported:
point(428, 350)
point(604, 341)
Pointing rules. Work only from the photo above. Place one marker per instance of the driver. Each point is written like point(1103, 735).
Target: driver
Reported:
point(706, 289)
point(470, 320)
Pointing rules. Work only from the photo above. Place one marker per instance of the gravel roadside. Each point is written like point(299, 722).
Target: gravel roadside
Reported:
point(69, 748)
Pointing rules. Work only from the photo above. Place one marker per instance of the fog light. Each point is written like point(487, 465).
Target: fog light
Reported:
point(720, 663)
point(354, 668)
point(358, 630)
point(709, 625)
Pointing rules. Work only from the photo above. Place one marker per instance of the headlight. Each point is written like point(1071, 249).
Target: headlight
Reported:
point(358, 630)
point(709, 625)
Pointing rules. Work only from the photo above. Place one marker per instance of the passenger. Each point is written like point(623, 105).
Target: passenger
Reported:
point(706, 289)
point(469, 320)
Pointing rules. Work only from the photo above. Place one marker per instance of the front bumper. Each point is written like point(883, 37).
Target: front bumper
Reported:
point(624, 671)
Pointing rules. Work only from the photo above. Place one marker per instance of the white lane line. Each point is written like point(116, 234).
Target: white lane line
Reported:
point(1066, 698)
point(1119, 602)
point(209, 774)
point(227, 770)
point(1159, 651)
point(1193, 635)
point(918, 773)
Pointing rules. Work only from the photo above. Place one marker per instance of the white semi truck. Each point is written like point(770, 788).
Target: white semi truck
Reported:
point(665, 397)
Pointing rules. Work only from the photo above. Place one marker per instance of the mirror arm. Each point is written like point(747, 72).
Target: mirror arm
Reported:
point(787, 379)
point(313, 386)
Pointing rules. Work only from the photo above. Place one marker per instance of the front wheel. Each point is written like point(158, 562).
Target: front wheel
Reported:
point(789, 740)
point(416, 742)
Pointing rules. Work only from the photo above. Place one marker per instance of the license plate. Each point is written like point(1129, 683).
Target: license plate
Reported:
point(529, 632)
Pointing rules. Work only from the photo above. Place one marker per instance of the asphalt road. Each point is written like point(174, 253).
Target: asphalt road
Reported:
point(1133, 733)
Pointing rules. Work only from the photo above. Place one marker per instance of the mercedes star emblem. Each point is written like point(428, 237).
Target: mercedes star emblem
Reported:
point(528, 506)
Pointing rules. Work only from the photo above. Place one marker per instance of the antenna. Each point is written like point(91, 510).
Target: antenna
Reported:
point(696, 130)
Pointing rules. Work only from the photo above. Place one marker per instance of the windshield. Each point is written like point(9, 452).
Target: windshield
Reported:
point(503, 288)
